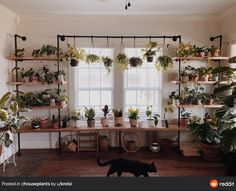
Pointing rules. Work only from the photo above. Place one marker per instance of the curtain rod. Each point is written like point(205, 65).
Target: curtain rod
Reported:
point(62, 37)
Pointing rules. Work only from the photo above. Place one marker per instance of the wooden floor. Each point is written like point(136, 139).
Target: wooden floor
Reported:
point(49, 163)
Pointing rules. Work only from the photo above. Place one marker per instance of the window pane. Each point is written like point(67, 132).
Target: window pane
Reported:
point(142, 85)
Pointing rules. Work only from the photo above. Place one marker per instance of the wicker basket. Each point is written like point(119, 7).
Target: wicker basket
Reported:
point(69, 144)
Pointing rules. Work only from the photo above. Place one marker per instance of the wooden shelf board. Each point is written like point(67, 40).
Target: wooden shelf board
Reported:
point(28, 129)
point(192, 82)
point(204, 106)
point(30, 58)
point(35, 83)
point(202, 58)
point(47, 107)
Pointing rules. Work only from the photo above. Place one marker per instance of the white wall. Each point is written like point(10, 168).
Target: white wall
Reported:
point(7, 30)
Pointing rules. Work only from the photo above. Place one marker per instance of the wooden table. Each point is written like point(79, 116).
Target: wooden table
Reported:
point(111, 128)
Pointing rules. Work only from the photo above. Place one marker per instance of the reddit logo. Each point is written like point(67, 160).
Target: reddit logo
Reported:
point(214, 183)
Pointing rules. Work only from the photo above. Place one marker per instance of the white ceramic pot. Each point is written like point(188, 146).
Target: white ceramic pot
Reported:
point(77, 123)
point(150, 122)
point(61, 78)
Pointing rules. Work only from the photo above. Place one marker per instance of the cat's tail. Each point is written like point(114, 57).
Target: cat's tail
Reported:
point(102, 163)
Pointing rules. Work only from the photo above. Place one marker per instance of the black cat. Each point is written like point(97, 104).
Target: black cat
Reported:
point(124, 165)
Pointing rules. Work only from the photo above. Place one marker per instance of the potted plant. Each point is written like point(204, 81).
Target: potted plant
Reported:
point(156, 118)
point(121, 61)
point(149, 51)
point(107, 61)
point(43, 123)
point(45, 75)
point(164, 62)
point(184, 117)
point(20, 72)
point(210, 139)
point(133, 117)
point(20, 53)
point(226, 116)
point(204, 73)
point(35, 124)
point(104, 120)
point(59, 76)
point(165, 122)
point(62, 101)
point(55, 122)
point(150, 119)
point(90, 114)
point(73, 55)
point(184, 50)
point(215, 51)
point(135, 61)
point(118, 117)
point(76, 116)
point(200, 51)
point(45, 50)
point(92, 58)
point(210, 99)
point(9, 119)
point(184, 76)
point(27, 75)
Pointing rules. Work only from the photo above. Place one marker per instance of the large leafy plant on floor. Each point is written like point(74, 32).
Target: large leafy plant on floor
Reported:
point(9, 119)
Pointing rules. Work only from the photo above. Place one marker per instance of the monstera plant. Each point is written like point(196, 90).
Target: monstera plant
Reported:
point(9, 120)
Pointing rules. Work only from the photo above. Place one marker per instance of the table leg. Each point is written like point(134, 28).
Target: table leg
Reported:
point(19, 150)
point(120, 148)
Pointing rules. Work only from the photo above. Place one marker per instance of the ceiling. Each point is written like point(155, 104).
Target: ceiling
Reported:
point(116, 7)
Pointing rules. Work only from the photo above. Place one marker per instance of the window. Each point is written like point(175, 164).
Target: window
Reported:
point(142, 85)
point(93, 84)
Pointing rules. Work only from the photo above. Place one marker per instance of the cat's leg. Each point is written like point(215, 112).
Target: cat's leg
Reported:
point(110, 171)
point(145, 175)
point(119, 173)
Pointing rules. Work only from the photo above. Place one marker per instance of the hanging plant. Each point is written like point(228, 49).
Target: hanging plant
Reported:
point(73, 55)
point(135, 61)
point(92, 58)
point(121, 61)
point(107, 61)
point(164, 63)
point(185, 50)
point(150, 50)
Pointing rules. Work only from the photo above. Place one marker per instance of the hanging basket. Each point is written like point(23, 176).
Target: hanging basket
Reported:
point(74, 62)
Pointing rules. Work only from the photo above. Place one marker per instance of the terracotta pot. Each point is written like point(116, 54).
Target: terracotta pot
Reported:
point(210, 101)
point(184, 79)
point(91, 122)
point(103, 144)
point(195, 78)
point(184, 121)
point(133, 122)
point(43, 123)
point(205, 77)
point(26, 79)
point(104, 122)
point(55, 125)
point(62, 103)
point(150, 122)
point(211, 152)
point(118, 121)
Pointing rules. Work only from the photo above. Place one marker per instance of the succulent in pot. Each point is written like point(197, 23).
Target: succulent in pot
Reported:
point(118, 117)
point(62, 101)
point(107, 61)
point(150, 120)
point(105, 120)
point(135, 61)
point(73, 55)
point(76, 117)
point(133, 117)
point(149, 51)
point(90, 115)
point(121, 61)
point(92, 58)
point(60, 76)
point(215, 51)
point(164, 62)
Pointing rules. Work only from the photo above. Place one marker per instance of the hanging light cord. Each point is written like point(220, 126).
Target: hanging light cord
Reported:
point(127, 4)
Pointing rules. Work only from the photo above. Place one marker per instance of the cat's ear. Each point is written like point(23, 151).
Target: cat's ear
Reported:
point(153, 163)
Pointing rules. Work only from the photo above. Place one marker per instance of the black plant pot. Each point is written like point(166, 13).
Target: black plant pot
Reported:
point(74, 62)
point(149, 58)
